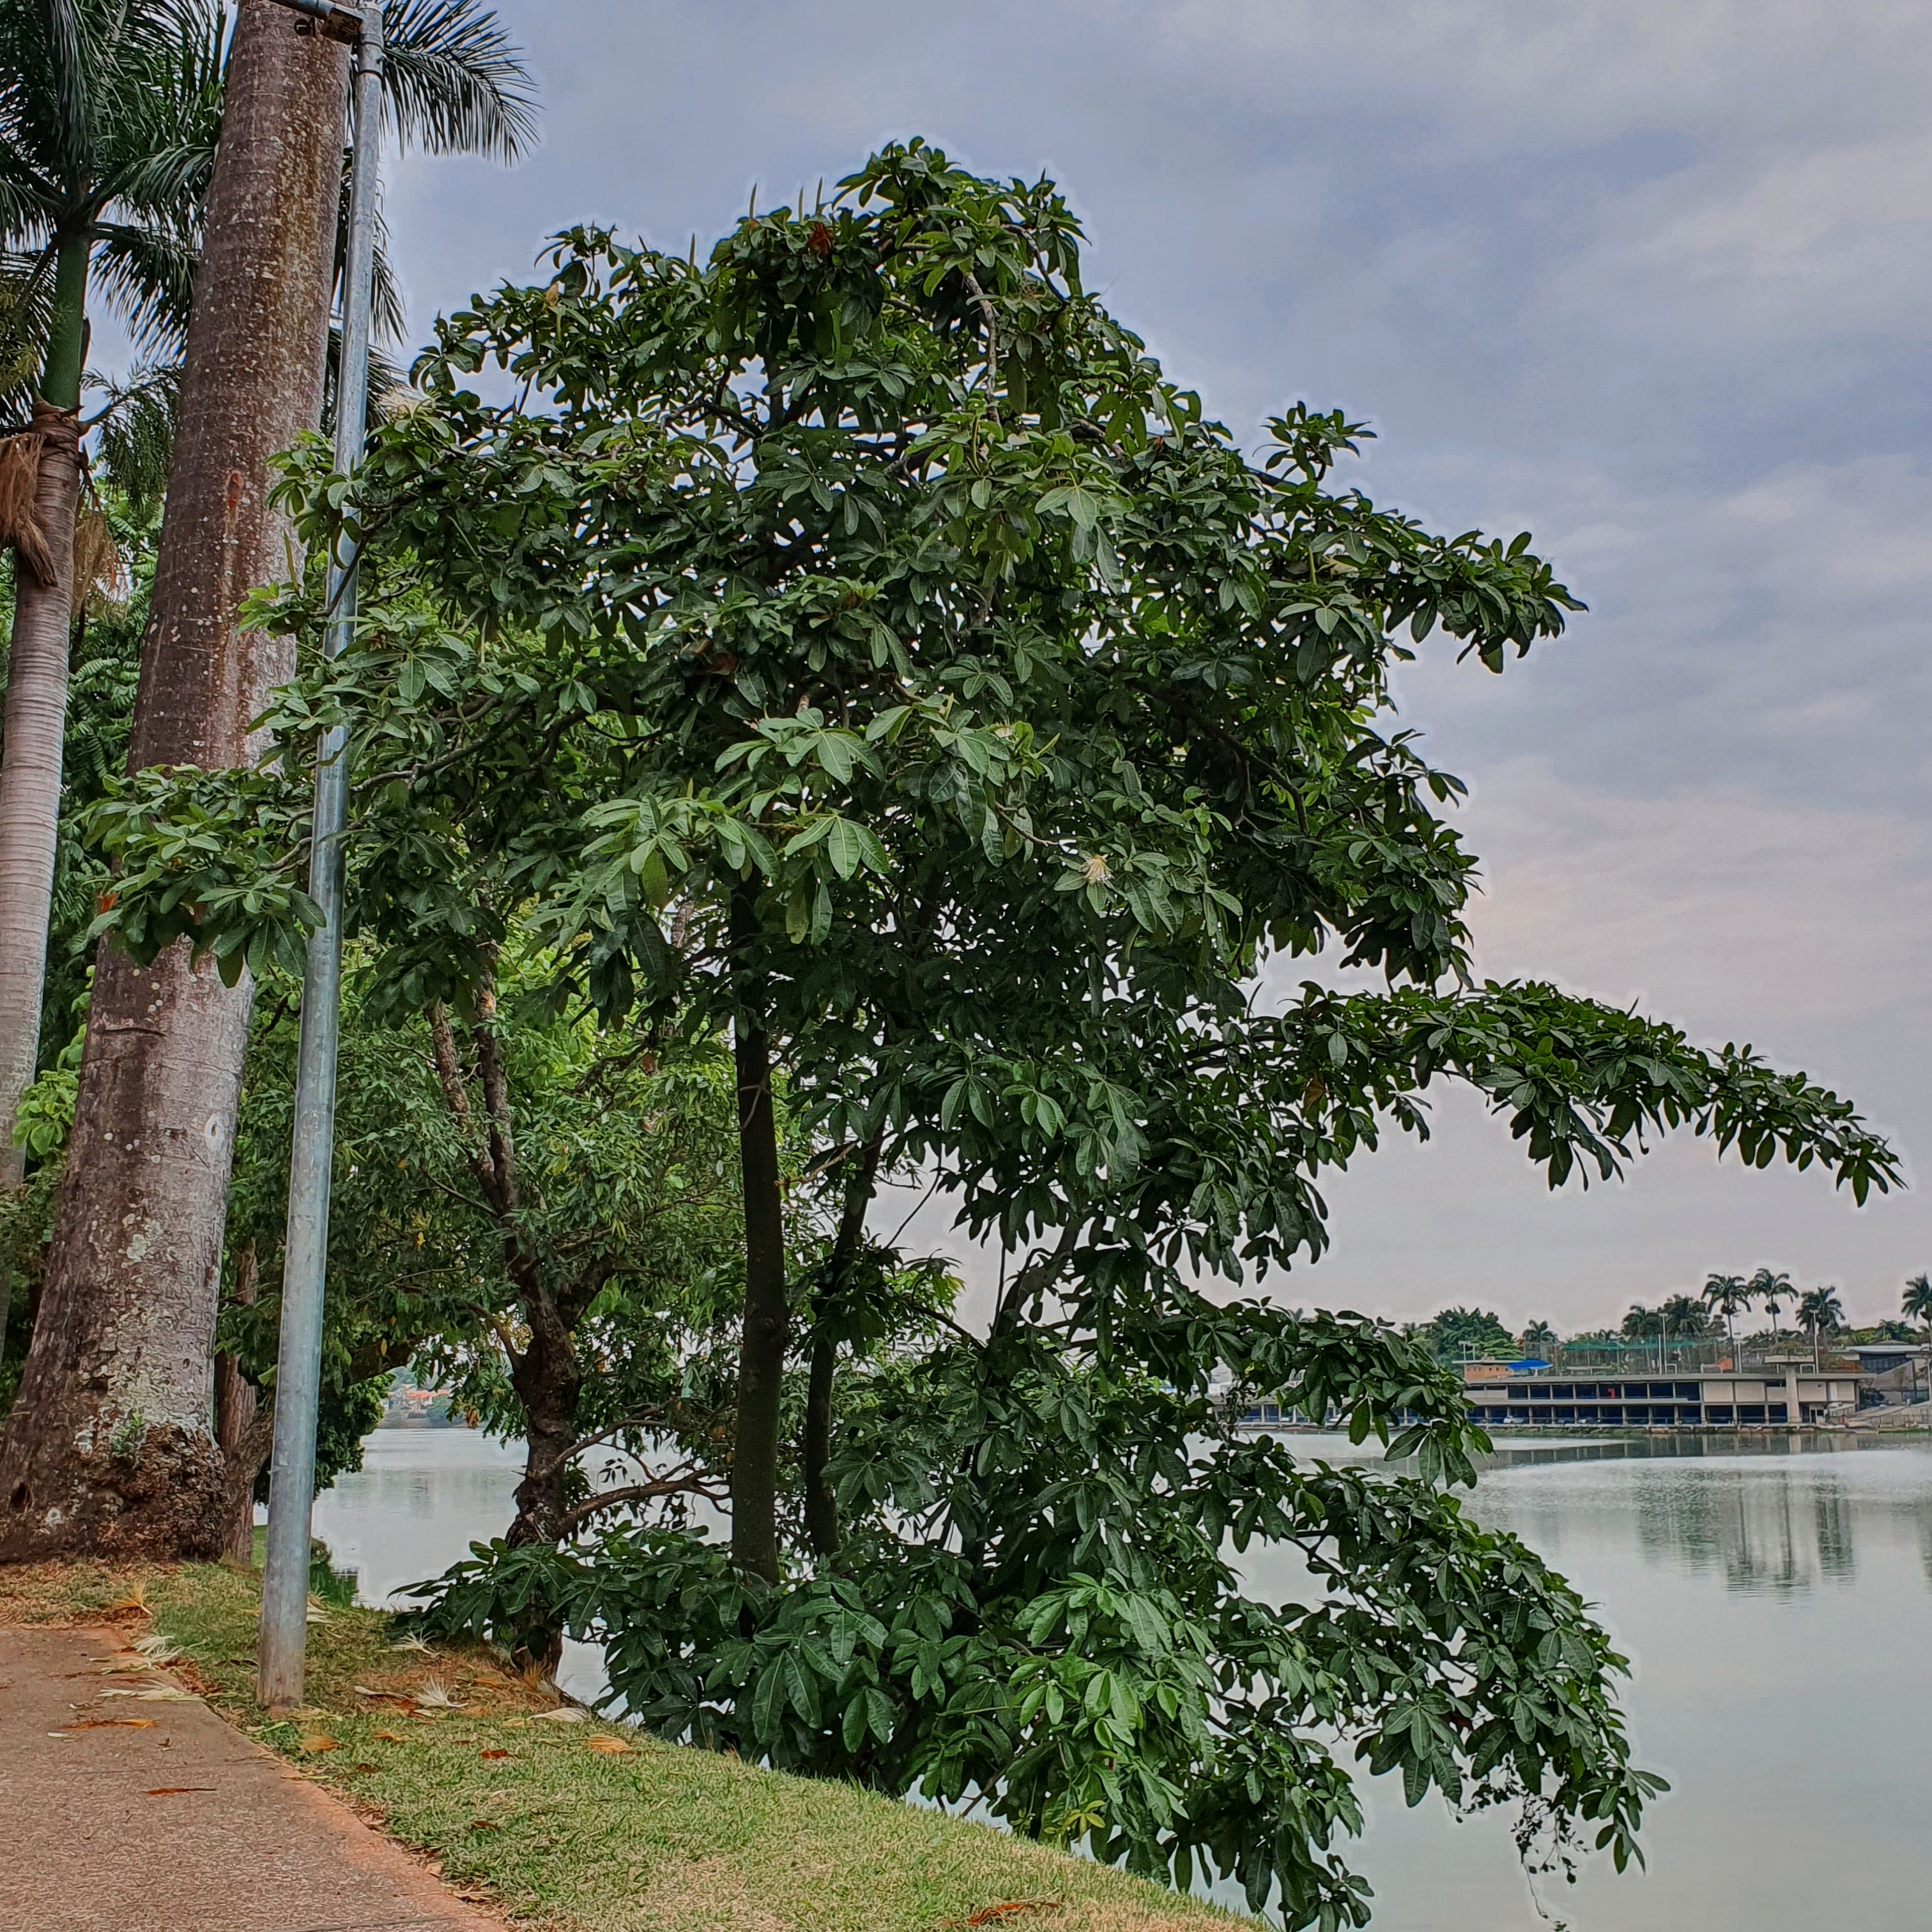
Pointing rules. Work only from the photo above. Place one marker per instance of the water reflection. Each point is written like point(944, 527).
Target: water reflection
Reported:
point(1771, 1594)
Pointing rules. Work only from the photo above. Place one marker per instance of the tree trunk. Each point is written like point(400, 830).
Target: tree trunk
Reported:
point(30, 775)
point(754, 1456)
point(821, 1508)
point(36, 713)
point(547, 1380)
point(109, 1451)
point(234, 1407)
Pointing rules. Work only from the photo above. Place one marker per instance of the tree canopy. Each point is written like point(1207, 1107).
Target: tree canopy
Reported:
point(854, 640)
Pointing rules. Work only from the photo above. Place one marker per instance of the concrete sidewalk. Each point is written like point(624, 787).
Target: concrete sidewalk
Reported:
point(125, 1814)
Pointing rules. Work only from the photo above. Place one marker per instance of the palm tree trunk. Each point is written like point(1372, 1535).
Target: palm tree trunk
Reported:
point(36, 712)
point(109, 1451)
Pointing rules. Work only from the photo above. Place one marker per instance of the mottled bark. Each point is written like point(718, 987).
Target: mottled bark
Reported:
point(109, 1449)
point(754, 1453)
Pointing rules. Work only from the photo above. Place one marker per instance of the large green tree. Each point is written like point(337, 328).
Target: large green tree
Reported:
point(855, 640)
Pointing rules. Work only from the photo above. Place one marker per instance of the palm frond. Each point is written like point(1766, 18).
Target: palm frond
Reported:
point(147, 275)
point(453, 81)
point(160, 153)
point(391, 316)
point(26, 316)
point(387, 382)
point(134, 431)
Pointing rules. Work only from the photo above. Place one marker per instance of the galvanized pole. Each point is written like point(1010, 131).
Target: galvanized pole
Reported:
point(305, 1251)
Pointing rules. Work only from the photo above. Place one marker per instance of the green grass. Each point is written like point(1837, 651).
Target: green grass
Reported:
point(522, 1811)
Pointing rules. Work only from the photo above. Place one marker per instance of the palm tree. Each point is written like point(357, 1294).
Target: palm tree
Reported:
point(1917, 1305)
point(1538, 1339)
point(161, 1074)
point(1819, 1310)
point(108, 113)
point(1725, 1294)
point(1772, 1290)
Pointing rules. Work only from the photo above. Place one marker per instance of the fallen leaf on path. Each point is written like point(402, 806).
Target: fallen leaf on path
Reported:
point(608, 1747)
point(390, 1737)
point(156, 1694)
point(176, 1790)
point(115, 1724)
point(319, 1743)
point(493, 1753)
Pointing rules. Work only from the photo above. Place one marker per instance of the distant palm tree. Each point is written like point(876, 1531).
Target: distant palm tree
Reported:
point(1725, 1294)
point(1917, 1306)
point(1772, 1290)
point(1819, 1310)
point(1538, 1339)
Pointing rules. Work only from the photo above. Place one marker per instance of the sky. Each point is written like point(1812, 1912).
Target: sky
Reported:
point(1649, 278)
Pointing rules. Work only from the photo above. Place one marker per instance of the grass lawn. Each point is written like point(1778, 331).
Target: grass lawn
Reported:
point(586, 1826)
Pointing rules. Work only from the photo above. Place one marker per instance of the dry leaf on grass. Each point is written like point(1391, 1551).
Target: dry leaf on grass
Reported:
point(1011, 1908)
point(365, 1767)
point(565, 1714)
point(390, 1737)
point(319, 1743)
point(609, 1747)
point(385, 1696)
point(484, 1825)
point(433, 1694)
point(493, 1753)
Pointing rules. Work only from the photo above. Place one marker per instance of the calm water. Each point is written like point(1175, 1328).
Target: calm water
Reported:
point(1776, 1603)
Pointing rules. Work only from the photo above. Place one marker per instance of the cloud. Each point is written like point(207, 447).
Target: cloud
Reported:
point(1648, 279)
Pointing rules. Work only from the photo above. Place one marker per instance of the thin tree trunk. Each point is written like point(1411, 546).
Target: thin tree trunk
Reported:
point(36, 712)
point(821, 1507)
point(754, 1457)
point(235, 1406)
point(109, 1452)
point(30, 777)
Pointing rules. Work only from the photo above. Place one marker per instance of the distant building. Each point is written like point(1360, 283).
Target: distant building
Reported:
point(1771, 1394)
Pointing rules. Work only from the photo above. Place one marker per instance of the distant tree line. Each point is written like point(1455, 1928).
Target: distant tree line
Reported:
point(1460, 1334)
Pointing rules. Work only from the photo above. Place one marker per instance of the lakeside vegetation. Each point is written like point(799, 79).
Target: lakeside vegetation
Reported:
point(586, 1826)
point(845, 715)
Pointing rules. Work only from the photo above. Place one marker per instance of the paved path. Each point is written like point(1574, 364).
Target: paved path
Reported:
point(180, 1824)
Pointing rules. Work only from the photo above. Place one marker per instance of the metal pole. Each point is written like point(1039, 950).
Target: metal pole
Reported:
point(305, 1251)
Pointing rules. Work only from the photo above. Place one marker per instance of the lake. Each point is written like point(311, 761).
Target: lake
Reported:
point(1773, 1598)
